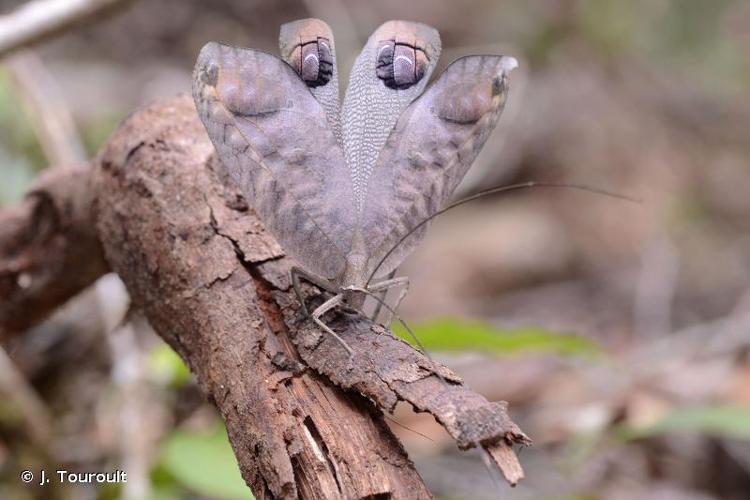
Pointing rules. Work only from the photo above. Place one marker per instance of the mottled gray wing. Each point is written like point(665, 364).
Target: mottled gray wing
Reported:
point(429, 151)
point(307, 46)
point(272, 135)
point(389, 73)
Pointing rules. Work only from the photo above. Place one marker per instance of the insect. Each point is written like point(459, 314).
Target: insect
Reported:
point(347, 188)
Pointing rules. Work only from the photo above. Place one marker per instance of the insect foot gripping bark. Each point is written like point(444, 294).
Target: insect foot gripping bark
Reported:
point(341, 185)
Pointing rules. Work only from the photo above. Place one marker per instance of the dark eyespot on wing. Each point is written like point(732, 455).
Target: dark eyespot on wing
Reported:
point(309, 63)
point(400, 65)
point(384, 64)
point(307, 45)
point(371, 108)
point(313, 62)
point(326, 62)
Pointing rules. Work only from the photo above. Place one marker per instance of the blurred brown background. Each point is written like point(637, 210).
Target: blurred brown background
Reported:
point(619, 333)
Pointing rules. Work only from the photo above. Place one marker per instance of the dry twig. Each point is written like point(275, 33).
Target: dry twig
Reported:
point(49, 250)
point(37, 20)
point(46, 109)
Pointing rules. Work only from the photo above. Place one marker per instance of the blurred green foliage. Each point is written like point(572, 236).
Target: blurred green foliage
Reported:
point(20, 154)
point(95, 132)
point(452, 334)
point(201, 462)
point(609, 24)
point(190, 460)
point(691, 37)
point(166, 366)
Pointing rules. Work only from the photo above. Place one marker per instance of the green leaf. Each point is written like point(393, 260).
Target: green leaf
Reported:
point(204, 463)
point(450, 334)
point(18, 140)
point(721, 421)
point(165, 493)
point(16, 177)
point(97, 130)
point(166, 365)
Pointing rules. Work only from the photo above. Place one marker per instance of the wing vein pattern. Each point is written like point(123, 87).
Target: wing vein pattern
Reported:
point(273, 137)
point(429, 151)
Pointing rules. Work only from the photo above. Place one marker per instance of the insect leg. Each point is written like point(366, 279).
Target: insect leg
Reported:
point(324, 308)
point(395, 315)
point(391, 283)
point(296, 273)
point(379, 305)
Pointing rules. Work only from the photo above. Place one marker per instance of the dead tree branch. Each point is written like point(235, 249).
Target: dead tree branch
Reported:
point(46, 109)
point(388, 370)
point(37, 20)
point(49, 249)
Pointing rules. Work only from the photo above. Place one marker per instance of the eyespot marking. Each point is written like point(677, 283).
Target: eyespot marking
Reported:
point(313, 62)
point(400, 65)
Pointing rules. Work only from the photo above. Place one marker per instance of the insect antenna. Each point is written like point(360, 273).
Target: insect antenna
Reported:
point(398, 318)
point(388, 417)
point(499, 189)
point(382, 295)
point(406, 327)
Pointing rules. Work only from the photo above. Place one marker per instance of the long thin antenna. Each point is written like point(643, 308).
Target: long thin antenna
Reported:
point(398, 318)
point(407, 427)
point(499, 189)
point(376, 313)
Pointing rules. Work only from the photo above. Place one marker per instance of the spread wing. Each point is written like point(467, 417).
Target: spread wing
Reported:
point(429, 151)
point(273, 137)
point(389, 73)
point(307, 46)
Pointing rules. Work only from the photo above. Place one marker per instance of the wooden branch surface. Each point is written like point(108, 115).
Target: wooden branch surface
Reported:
point(49, 248)
point(387, 370)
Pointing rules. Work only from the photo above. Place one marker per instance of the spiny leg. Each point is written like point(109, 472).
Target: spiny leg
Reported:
point(391, 283)
point(296, 273)
point(382, 294)
point(395, 315)
point(324, 308)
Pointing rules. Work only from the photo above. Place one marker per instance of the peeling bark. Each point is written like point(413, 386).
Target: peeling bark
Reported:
point(386, 370)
